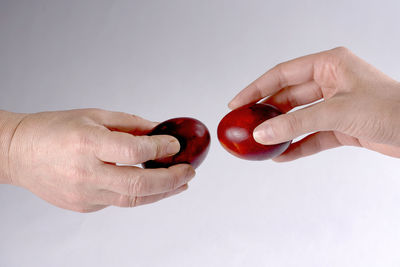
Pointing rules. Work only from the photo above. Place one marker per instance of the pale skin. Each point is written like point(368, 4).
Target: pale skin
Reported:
point(68, 158)
point(357, 105)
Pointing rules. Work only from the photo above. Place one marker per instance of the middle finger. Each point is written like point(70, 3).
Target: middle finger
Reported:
point(135, 181)
point(294, 96)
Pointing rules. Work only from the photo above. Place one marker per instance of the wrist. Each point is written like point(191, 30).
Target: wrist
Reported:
point(9, 122)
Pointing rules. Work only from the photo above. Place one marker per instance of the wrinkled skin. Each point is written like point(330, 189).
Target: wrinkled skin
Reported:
point(68, 158)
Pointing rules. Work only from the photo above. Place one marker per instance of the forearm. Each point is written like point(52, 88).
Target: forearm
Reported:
point(9, 122)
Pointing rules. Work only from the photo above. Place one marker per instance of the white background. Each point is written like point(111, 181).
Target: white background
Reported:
point(163, 59)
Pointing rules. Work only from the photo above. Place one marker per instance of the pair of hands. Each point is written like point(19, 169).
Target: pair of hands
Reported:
point(69, 158)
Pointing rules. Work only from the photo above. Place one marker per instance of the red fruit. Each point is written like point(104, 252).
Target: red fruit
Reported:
point(193, 137)
point(235, 132)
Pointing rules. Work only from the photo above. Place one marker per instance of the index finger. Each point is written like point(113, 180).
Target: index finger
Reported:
point(121, 121)
point(293, 72)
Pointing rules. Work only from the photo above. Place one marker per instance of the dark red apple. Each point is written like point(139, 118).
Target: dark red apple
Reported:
point(235, 132)
point(193, 137)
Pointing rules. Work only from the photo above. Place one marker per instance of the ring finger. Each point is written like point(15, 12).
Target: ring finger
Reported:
point(115, 199)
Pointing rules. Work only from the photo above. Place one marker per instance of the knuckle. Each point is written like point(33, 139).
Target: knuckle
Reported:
point(257, 89)
point(316, 92)
point(136, 186)
point(337, 56)
point(292, 124)
point(280, 75)
point(95, 111)
point(130, 117)
point(123, 115)
point(175, 177)
point(133, 152)
point(292, 99)
point(80, 141)
point(133, 201)
point(326, 70)
point(341, 50)
point(149, 148)
point(158, 149)
point(92, 113)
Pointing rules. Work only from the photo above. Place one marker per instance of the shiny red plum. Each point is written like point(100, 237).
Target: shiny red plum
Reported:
point(235, 132)
point(193, 137)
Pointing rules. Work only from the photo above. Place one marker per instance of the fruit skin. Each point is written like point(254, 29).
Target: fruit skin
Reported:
point(235, 132)
point(193, 137)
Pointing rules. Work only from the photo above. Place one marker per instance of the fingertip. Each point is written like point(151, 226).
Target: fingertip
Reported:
point(149, 126)
point(238, 101)
point(264, 134)
point(173, 146)
point(190, 172)
point(186, 170)
point(156, 147)
point(232, 105)
point(178, 190)
point(280, 159)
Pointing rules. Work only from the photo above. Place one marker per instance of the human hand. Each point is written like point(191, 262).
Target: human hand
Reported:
point(68, 159)
point(360, 105)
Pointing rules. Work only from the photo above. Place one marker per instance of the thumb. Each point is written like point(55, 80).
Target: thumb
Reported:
point(118, 147)
point(288, 126)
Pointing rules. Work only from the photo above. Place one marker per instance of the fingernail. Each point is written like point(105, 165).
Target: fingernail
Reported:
point(173, 147)
point(263, 134)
